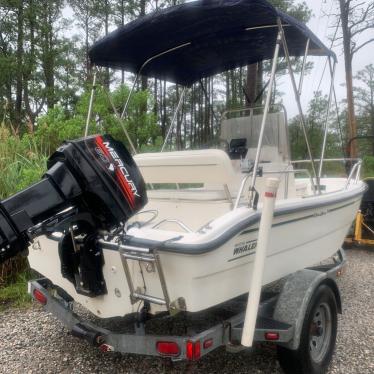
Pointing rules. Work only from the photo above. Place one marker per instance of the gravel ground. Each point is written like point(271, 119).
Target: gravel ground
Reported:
point(32, 341)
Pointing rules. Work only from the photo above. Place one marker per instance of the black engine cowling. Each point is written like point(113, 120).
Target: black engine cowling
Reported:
point(93, 180)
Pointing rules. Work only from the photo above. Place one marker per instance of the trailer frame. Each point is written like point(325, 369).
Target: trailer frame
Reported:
point(279, 319)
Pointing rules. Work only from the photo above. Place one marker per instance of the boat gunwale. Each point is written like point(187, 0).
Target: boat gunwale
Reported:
point(240, 228)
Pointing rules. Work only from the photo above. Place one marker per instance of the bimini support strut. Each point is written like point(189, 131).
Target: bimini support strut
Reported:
point(121, 122)
point(298, 102)
point(302, 75)
point(124, 111)
point(174, 119)
point(89, 113)
point(141, 69)
point(264, 117)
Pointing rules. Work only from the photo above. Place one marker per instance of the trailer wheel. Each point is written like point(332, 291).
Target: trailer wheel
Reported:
point(318, 337)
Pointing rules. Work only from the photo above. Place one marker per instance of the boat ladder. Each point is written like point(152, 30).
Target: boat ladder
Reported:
point(150, 258)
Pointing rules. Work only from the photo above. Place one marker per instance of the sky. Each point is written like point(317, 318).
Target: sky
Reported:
point(323, 27)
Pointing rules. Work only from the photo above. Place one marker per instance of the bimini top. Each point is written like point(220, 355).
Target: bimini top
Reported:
point(202, 38)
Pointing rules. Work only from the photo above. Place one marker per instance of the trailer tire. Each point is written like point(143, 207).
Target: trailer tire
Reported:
point(318, 336)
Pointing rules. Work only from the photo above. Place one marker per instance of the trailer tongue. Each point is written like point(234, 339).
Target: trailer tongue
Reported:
point(91, 184)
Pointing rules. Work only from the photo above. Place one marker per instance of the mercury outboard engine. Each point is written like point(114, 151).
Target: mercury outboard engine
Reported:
point(92, 185)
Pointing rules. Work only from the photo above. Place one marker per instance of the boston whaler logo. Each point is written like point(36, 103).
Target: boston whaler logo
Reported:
point(114, 163)
point(245, 248)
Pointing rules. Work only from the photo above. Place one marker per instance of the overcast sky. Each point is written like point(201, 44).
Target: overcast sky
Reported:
point(323, 27)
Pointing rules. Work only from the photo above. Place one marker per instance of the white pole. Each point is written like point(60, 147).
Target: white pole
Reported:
point(90, 104)
point(174, 119)
point(264, 117)
point(249, 327)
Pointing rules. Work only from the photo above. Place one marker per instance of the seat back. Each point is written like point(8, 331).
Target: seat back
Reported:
point(208, 166)
point(248, 126)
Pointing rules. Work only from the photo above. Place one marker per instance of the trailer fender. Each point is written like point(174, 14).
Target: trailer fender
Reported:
point(294, 299)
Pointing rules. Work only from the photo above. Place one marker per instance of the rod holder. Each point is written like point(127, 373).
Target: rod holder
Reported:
point(271, 188)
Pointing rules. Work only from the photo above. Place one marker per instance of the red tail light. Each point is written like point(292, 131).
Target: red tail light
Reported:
point(193, 350)
point(39, 296)
point(271, 336)
point(168, 348)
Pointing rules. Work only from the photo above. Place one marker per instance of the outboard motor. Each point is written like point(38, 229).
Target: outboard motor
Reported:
point(92, 185)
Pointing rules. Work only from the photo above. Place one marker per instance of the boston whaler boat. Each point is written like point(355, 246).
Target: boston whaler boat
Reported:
point(109, 240)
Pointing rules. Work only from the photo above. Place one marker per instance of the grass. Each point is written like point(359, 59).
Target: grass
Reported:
point(22, 162)
point(15, 294)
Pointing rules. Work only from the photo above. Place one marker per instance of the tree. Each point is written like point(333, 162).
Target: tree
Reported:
point(11, 62)
point(364, 96)
point(86, 16)
point(316, 117)
point(356, 20)
point(28, 49)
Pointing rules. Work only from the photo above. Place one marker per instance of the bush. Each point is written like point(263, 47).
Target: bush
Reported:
point(368, 167)
point(22, 162)
point(58, 125)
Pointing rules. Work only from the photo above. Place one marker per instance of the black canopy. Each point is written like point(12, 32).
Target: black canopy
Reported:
point(205, 38)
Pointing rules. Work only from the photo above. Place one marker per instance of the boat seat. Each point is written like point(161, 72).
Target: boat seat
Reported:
point(202, 175)
point(180, 183)
point(208, 166)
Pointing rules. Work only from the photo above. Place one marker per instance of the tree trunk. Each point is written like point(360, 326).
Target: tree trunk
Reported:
point(259, 80)
point(178, 127)
point(352, 124)
point(122, 23)
point(144, 80)
point(251, 85)
point(227, 90)
point(164, 116)
point(155, 97)
point(106, 27)
point(19, 80)
point(49, 62)
point(347, 45)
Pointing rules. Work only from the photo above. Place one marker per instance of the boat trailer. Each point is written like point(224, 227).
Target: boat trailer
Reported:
point(280, 319)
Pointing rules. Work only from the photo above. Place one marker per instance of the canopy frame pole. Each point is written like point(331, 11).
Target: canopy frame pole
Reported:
point(121, 123)
point(300, 109)
point(303, 67)
point(141, 69)
point(174, 119)
point(124, 111)
point(264, 118)
point(89, 113)
point(332, 73)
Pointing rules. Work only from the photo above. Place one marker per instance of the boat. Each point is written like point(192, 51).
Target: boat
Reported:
point(190, 244)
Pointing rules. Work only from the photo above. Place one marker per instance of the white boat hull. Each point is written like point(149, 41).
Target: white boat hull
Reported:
point(298, 239)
